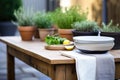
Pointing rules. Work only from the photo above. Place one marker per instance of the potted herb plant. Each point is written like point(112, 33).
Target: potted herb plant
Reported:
point(7, 7)
point(44, 24)
point(112, 30)
point(26, 24)
point(64, 20)
point(85, 28)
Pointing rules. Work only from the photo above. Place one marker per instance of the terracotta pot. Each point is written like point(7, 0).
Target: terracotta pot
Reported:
point(26, 32)
point(44, 32)
point(66, 33)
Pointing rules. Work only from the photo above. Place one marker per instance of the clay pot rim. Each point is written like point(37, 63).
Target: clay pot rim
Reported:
point(27, 28)
point(65, 31)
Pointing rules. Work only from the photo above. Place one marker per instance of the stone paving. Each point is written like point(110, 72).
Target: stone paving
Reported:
point(22, 70)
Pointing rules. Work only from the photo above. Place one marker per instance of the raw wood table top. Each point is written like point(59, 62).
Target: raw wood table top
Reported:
point(36, 49)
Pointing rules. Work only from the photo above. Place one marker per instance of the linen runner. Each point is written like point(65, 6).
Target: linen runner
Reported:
point(92, 66)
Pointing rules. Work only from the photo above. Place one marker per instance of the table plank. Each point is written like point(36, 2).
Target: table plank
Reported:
point(36, 49)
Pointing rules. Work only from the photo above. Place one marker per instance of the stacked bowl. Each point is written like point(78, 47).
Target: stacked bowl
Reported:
point(93, 44)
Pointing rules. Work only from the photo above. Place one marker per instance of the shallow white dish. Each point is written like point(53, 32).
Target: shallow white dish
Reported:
point(93, 44)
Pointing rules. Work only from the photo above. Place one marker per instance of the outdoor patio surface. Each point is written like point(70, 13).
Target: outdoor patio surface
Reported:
point(22, 70)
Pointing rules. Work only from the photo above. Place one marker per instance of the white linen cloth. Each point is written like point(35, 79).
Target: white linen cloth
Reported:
point(93, 66)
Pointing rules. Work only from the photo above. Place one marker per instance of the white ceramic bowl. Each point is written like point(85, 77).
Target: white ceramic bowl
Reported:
point(93, 44)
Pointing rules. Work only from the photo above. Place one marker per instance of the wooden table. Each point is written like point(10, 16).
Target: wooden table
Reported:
point(48, 62)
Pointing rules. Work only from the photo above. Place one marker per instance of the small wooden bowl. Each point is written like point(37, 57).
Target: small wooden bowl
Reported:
point(55, 47)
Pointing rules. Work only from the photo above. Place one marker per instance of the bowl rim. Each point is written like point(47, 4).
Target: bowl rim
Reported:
point(93, 39)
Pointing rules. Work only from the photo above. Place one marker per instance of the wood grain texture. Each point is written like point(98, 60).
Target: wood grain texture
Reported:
point(117, 70)
point(55, 47)
point(10, 67)
point(113, 12)
point(36, 49)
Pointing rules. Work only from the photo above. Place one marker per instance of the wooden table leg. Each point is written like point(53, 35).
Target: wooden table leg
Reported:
point(63, 72)
point(117, 70)
point(10, 67)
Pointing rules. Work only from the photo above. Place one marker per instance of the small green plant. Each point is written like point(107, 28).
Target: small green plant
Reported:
point(110, 27)
point(54, 40)
point(42, 20)
point(85, 26)
point(64, 19)
point(24, 18)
